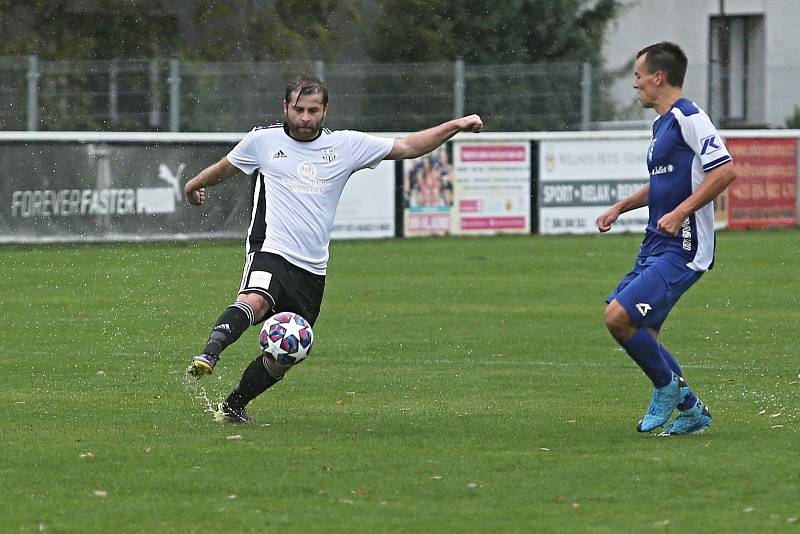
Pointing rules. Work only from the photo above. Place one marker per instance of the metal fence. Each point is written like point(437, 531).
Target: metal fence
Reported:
point(166, 94)
point(171, 95)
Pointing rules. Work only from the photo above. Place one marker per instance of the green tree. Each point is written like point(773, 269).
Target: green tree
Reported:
point(564, 33)
point(78, 95)
point(481, 31)
point(282, 30)
point(409, 31)
point(53, 29)
point(793, 121)
point(216, 30)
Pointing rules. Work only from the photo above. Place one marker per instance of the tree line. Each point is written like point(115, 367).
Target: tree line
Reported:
point(478, 31)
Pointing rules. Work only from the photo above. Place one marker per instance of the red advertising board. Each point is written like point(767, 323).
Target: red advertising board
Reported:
point(765, 191)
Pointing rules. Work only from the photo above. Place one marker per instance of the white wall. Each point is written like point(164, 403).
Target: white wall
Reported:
point(686, 22)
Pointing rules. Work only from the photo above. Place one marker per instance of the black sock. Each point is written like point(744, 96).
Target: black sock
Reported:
point(256, 379)
point(230, 326)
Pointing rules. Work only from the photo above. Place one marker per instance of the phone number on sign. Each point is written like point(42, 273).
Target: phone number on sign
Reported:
point(565, 223)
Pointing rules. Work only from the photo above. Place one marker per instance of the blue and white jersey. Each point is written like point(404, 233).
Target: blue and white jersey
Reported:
point(685, 146)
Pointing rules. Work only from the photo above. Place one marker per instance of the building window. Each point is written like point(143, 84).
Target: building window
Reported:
point(736, 76)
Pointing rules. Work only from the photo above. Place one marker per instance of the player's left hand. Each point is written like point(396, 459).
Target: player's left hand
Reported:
point(671, 223)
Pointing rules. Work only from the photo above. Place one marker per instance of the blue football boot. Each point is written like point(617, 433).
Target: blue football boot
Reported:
point(694, 420)
point(665, 400)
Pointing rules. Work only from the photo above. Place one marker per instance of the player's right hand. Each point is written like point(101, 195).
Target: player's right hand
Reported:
point(606, 219)
point(196, 198)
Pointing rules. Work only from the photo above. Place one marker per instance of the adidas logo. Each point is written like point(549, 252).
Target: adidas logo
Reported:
point(224, 326)
point(279, 155)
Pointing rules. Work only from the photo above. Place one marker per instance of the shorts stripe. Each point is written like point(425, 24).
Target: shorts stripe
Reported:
point(247, 262)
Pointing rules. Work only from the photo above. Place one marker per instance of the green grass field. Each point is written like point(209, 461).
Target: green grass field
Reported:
point(457, 385)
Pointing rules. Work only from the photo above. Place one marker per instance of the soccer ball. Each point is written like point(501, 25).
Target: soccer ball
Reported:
point(287, 337)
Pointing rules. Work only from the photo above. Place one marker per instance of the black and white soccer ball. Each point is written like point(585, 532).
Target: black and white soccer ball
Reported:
point(287, 337)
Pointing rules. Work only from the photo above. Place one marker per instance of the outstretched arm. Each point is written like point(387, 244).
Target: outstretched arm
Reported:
point(215, 174)
point(424, 141)
point(637, 200)
point(714, 183)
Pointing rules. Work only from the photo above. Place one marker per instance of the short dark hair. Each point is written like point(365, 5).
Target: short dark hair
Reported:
point(307, 85)
point(667, 57)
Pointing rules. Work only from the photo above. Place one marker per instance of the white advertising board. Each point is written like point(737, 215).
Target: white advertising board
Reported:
point(579, 178)
point(366, 209)
point(492, 190)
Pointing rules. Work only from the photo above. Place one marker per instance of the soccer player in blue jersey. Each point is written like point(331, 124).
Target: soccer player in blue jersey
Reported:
point(689, 167)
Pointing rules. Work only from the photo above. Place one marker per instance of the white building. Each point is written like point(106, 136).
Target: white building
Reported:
point(744, 55)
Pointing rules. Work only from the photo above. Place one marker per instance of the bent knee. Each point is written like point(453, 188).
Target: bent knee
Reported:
point(257, 302)
point(618, 321)
point(274, 368)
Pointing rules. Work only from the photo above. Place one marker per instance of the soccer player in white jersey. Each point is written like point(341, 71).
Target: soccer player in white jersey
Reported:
point(300, 170)
point(689, 167)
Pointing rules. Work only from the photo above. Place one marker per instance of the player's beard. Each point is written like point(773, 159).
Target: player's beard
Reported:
point(298, 131)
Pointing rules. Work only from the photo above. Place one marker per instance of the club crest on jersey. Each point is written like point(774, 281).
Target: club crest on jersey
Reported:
point(279, 154)
point(328, 154)
point(307, 170)
point(709, 145)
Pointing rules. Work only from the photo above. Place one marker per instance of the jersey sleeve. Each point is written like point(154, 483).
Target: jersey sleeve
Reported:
point(368, 150)
point(702, 137)
point(244, 156)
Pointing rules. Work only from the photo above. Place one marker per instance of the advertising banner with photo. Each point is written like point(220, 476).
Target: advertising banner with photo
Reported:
point(428, 194)
point(765, 191)
point(485, 190)
point(366, 209)
point(579, 178)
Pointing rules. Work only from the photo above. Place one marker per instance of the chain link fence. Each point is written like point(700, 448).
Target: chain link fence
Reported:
point(13, 94)
point(170, 95)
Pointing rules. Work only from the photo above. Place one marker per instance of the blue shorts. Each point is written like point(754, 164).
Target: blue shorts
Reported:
point(652, 288)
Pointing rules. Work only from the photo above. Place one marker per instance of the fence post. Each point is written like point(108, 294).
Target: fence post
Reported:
point(113, 93)
point(174, 82)
point(33, 92)
point(586, 96)
point(319, 69)
point(101, 154)
point(459, 87)
point(154, 118)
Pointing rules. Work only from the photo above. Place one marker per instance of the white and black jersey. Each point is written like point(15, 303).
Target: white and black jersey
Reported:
point(298, 185)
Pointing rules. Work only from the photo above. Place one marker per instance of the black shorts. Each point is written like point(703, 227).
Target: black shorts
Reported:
point(286, 286)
